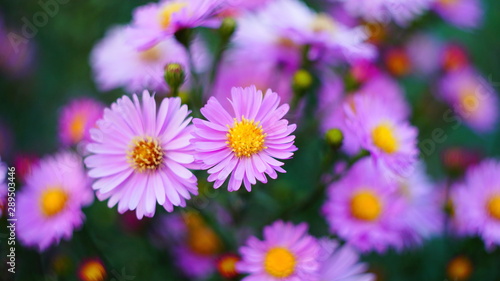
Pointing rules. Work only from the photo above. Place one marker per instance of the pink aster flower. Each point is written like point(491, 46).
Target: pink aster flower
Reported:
point(50, 205)
point(477, 202)
point(363, 209)
point(141, 155)
point(116, 63)
point(461, 13)
point(155, 22)
point(472, 98)
point(245, 139)
point(339, 263)
point(401, 11)
point(76, 119)
point(287, 253)
point(383, 131)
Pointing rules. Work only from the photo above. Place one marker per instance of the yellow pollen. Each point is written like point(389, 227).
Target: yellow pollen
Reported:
point(167, 12)
point(93, 271)
point(323, 22)
point(77, 128)
point(150, 55)
point(246, 137)
point(279, 262)
point(146, 154)
point(366, 206)
point(53, 201)
point(493, 207)
point(383, 137)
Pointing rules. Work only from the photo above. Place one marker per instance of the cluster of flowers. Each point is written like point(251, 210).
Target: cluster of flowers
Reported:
point(142, 149)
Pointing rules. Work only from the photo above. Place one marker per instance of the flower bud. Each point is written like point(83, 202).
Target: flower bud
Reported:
point(302, 80)
point(227, 28)
point(174, 76)
point(334, 138)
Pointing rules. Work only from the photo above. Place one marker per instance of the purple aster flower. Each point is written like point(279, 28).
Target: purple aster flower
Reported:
point(260, 35)
point(461, 13)
point(141, 155)
point(423, 212)
point(425, 51)
point(17, 54)
point(380, 87)
point(245, 139)
point(471, 97)
point(117, 64)
point(287, 253)
point(155, 22)
point(192, 264)
point(363, 208)
point(339, 263)
point(50, 205)
point(382, 130)
point(401, 11)
point(192, 243)
point(3, 186)
point(76, 119)
point(476, 202)
point(238, 71)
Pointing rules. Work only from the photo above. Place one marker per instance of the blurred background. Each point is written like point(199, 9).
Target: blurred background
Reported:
point(54, 68)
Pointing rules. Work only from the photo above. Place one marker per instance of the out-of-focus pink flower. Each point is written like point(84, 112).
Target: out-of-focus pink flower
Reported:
point(364, 209)
point(471, 97)
point(77, 118)
point(287, 253)
point(477, 202)
point(461, 13)
point(50, 205)
point(155, 22)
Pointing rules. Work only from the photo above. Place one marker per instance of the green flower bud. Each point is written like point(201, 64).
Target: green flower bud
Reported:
point(334, 137)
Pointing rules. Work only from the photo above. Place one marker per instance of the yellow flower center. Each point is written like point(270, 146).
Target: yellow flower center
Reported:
point(383, 137)
point(77, 128)
point(167, 12)
point(150, 55)
point(93, 271)
point(146, 154)
point(493, 207)
point(323, 22)
point(469, 101)
point(53, 201)
point(246, 138)
point(279, 262)
point(365, 205)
